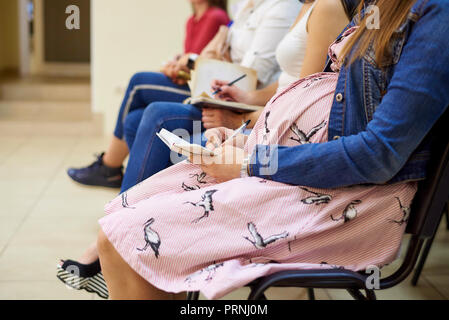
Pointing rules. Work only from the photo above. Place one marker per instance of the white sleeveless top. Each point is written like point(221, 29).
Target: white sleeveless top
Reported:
point(291, 51)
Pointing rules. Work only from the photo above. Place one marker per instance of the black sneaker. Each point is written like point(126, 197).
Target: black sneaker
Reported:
point(98, 174)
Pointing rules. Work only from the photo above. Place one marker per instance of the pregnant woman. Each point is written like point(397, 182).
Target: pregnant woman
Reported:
point(324, 179)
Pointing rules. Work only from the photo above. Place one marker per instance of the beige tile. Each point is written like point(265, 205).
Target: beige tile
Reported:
point(90, 206)
point(9, 146)
point(40, 290)
point(63, 186)
point(16, 205)
point(37, 158)
point(49, 111)
point(439, 282)
point(437, 262)
point(25, 187)
point(37, 247)
point(240, 294)
point(8, 227)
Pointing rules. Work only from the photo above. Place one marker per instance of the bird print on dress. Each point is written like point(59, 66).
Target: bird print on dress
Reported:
point(266, 131)
point(189, 188)
point(152, 238)
point(303, 138)
point(309, 83)
point(317, 199)
point(199, 178)
point(206, 203)
point(405, 214)
point(258, 241)
point(210, 270)
point(350, 212)
point(290, 244)
point(125, 201)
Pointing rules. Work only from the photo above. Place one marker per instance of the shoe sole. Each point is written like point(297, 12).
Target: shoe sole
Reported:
point(95, 284)
point(94, 184)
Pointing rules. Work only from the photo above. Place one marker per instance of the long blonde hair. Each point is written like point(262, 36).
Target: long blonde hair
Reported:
point(392, 14)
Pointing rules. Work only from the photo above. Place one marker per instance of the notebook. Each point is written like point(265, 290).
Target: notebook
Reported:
point(207, 70)
point(181, 146)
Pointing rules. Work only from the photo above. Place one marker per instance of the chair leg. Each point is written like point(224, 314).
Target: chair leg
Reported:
point(311, 294)
point(447, 217)
point(425, 253)
point(257, 295)
point(193, 296)
point(370, 295)
point(422, 261)
point(356, 294)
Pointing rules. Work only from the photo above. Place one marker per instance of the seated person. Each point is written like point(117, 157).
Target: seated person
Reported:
point(323, 180)
point(298, 53)
point(270, 20)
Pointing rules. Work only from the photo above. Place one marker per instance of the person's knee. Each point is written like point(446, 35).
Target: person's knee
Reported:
point(136, 78)
point(132, 122)
point(158, 112)
point(144, 78)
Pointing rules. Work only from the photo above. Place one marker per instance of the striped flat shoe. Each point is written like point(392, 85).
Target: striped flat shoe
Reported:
point(83, 277)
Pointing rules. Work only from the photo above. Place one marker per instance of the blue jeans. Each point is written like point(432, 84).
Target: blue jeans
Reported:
point(143, 89)
point(148, 154)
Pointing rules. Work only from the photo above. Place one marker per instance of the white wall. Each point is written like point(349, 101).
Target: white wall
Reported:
point(130, 36)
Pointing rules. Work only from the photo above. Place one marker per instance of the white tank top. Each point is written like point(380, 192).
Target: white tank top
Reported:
point(291, 51)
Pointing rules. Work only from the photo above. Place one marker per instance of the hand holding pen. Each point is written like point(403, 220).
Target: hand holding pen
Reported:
point(216, 138)
point(237, 132)
point(223, 87)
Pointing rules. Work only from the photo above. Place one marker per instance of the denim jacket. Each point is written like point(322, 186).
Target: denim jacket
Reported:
point(380, 116)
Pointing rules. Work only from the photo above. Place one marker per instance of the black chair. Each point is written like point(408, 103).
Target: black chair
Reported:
point(426, 250)
point(426, 213)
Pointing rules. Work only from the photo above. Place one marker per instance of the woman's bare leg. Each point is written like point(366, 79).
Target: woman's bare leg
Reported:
point(123, 282)
point(90, 255)
point(116, 153)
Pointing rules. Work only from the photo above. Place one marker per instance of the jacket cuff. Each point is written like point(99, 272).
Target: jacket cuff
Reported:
point(263, 162)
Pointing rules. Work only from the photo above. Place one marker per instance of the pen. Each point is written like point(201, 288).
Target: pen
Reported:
point(230, 84)
point(238, 131)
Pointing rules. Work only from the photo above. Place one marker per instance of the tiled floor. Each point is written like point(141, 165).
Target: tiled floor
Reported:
point(44, 217)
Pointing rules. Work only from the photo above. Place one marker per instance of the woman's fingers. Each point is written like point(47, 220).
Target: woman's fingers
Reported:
point(218, 83)
point(214, 137)
point(213, 143)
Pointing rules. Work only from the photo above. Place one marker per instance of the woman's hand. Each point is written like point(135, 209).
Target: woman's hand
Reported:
point(169, 69)
point(214, 118)
point(172, 69)
point(231, 93)
point(216, 137)
point(225, 166)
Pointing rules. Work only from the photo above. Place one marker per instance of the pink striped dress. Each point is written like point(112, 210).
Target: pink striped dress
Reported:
point(217, 237)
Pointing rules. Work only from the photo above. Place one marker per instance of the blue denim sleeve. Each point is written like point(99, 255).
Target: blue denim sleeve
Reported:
point(417, 96)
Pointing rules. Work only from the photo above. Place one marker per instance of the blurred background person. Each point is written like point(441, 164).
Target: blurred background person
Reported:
point(145, 87)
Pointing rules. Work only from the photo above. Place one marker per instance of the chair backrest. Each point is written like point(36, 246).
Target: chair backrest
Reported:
point(433, 193)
